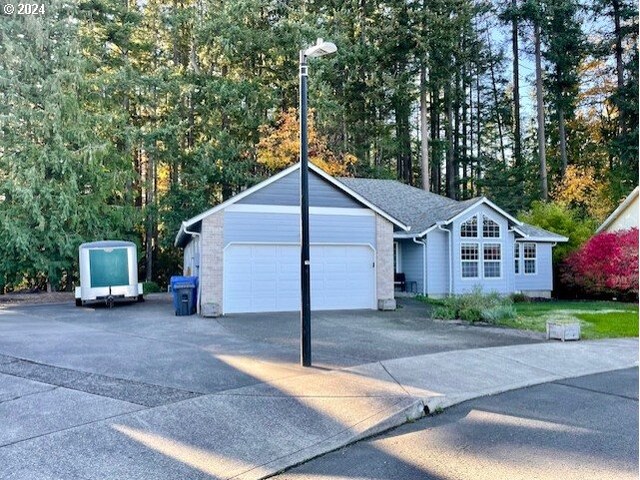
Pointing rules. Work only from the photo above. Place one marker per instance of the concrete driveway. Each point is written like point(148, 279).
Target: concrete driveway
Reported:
point(348, 338)
point(147, 343)
point(136, 392)
point(141, 354)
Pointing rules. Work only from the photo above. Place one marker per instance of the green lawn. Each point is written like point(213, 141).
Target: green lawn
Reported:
point(598, 319)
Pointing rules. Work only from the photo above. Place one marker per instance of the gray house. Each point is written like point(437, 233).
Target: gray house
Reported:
point(246, 250)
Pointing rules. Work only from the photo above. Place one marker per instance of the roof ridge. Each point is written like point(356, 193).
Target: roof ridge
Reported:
point(395, 181)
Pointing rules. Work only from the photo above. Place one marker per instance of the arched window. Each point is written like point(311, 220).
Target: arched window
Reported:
point(469, 228)
point(490, 229)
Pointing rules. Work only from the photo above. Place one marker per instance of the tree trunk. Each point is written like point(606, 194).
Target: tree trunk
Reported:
point(456, 140)
point(497, 106)
point(478, 189)
point(619, 62)
point(563, 138)
point(464, 157)
point(424, 129)
point(471, 139)
point(435, 141)
point(150, 220)
point(517, 139)
point(450, 178)
point(540, 106)
point(403, 138)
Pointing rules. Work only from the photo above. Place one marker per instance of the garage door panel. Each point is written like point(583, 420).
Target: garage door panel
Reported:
point(262, 278)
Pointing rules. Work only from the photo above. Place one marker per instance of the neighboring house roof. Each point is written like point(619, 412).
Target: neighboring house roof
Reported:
point(423, 211)
point(618, 211)
point(194, 223)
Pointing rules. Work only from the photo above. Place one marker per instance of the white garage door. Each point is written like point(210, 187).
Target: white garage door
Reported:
point(266, 278)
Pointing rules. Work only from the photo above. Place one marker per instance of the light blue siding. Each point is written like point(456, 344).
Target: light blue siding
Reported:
point(285, 228)
point(286, 191)
point(543, 278)
point(504, 284)
point(437, 263)
point(411, 263)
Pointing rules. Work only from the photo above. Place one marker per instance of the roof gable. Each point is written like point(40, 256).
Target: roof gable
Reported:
point(421, 210)
point(286, 191)
point(424, 211)
point(186, 225)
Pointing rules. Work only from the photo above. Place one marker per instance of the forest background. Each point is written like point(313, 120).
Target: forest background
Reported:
point(119, 119)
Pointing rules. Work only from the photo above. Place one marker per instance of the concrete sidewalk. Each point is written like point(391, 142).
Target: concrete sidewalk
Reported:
point(256, 431)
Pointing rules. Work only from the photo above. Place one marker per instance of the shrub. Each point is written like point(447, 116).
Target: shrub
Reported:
point(563, 220)
point(606, 265)
point(476, 306)
point(445, 312)
point(519, 298)
point(470, 314)
point(500, 312)
point(150, 287)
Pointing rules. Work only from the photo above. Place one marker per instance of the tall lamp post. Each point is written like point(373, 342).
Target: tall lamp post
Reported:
point(320, 49)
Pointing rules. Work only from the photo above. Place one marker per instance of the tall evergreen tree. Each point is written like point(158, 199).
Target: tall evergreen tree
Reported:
point(61, 182)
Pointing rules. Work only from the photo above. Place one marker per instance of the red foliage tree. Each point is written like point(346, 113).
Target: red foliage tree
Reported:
point(606, 265)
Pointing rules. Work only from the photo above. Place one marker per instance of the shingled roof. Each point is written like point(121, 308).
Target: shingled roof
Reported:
point(423, 210)
point(538, 233)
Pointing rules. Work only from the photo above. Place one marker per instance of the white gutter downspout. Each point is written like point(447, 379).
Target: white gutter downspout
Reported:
point(512, 230)
point(439, 225)
point(424, 263)
point(197, 234)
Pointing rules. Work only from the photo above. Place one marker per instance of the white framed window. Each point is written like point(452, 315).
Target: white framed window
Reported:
point(470, 260)
point(529, 255)
point(492, 260)
point(490, 228)
point(469, 228)
point(516, 258)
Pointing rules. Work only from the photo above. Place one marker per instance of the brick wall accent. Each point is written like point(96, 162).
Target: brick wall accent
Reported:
point(384, 262)
point(212, 259)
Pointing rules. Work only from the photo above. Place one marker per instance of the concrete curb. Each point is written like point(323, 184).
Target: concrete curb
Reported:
point(403, 412)
point(410, 409)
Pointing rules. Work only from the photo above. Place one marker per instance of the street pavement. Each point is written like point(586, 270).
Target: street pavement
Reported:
point(135, 392)
point(584, 428)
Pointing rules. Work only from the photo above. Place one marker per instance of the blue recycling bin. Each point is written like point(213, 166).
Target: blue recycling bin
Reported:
point(185, 294)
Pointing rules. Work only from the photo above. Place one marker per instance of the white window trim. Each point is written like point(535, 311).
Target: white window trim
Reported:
point(478, 261)
point(478, 228)
point(398, 254)
point(498, 261)
point(481, 227)
point(535, 259)
point(518, 259)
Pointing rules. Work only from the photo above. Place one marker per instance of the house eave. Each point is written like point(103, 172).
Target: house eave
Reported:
point(621, 208)
point(543, 239)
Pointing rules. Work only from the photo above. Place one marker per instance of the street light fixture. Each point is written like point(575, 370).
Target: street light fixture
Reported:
point(320, 49)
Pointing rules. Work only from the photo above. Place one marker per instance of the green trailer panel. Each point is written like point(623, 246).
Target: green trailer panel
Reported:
point(109, 268)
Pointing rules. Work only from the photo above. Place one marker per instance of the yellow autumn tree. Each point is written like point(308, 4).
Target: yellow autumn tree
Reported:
point(279, 146)
point(579, 188)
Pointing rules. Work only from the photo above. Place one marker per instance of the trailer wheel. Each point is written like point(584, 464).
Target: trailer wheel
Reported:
point(78, 302)
point(140, 298)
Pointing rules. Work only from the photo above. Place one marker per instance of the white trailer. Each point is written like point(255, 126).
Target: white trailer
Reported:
point(108, 273)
